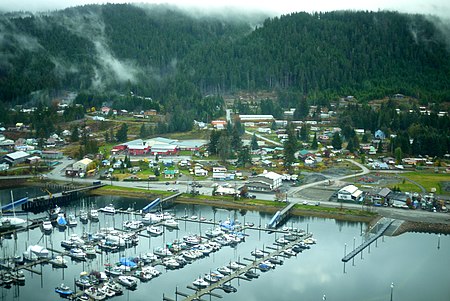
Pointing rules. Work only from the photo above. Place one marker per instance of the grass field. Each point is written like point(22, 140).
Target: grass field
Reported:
point(427, 179)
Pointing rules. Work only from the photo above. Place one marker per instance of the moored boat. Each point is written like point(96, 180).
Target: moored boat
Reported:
point(63, 290)
point(58, 262)
point(127, 281)
point(170, 223)
point(200, 283)
point(47, 227)
point(109, 209)
point(154, 231)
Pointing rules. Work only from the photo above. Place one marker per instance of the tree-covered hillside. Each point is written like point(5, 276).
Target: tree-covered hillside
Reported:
point(175, 57)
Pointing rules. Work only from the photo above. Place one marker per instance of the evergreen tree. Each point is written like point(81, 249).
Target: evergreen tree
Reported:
point(122, 133)
point(290, 147)
point(302, 109)
point(74, 136)
point(304, 133)
point(350, 146)
point(314, 144)
point(254, 142)
point(213, 142)
point(244, 157)
point(398, 155)
point(224, 147)
point(336, 141)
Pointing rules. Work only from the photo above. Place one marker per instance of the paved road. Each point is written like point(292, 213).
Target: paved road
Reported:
point(264, 138)
point(364, 170)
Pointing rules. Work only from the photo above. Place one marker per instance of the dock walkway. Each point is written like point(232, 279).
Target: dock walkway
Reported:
point(365, 244)
point(240, 272)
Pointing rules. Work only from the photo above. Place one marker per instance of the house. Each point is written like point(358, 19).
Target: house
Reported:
point(219, 124)
point(150, 113)
point(105, 110)
point(381, 196)
point(221, 173)
point(169, 173)
point(350, 193)
point(226, 191)
point(200, 172)
point(267, 181)
point(15, 158)
point(379, 135)
point(51, 155)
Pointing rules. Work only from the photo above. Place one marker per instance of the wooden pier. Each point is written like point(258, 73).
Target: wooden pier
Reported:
point(365, 244)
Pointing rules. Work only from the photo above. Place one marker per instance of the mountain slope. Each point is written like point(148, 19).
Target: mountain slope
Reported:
point(168, 54)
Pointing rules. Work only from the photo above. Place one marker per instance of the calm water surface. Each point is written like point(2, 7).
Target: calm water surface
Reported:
point(413, 262)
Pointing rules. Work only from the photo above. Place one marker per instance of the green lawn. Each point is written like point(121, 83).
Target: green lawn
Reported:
point(426, 179)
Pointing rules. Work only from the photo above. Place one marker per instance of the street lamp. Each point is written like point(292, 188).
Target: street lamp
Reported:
point(392, 290)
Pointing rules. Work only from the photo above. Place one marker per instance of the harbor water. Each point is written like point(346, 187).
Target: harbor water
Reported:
point(416, 263)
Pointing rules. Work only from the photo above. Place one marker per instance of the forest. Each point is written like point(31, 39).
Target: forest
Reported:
point(182, 63)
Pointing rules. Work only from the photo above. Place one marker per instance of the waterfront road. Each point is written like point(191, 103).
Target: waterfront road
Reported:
point(294, 193)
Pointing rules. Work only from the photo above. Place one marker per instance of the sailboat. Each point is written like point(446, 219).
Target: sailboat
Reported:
point(11, 222)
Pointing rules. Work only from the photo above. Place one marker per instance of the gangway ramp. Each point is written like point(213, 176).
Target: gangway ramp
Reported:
point(152, 205)
point(280, 216)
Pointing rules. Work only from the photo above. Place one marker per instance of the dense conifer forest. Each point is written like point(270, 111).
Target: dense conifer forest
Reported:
point(170, 55)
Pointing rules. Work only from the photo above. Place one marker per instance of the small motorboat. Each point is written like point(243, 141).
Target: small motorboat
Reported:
point(163, 252)
point(210, 278)
point(289, 252)
point(115, 287)
point(228, 288)
point(84, 217)
point(109, 209)
point(257, 253)
point(154, 231)
point(224, 270)
point(47, 227)
point(77, 254)
point(89, 250)
point(275, 260)
point(63, 290)
point(93, 215)
point(214, 232)
point(128, 281)
point(200, 283)
point(264, 267)
point(18, 277)
point(133, 224)
point(170, 223)
point(251, 274)
point(282, 241)
point(58, 262)
point(234, 265)
point(72, 220)
point(94, 293)
point(61, 221)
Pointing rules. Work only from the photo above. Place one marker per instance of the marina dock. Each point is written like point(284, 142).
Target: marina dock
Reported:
point(366, 243)
point(254, 263)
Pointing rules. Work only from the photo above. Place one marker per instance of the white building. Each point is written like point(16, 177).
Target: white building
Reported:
point(350, 193)
point(82, 165)
point(267, 181)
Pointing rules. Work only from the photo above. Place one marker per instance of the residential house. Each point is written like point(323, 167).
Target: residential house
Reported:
point(221, 173)
point(379, 134)
point(169, 173)
point(381, 196)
